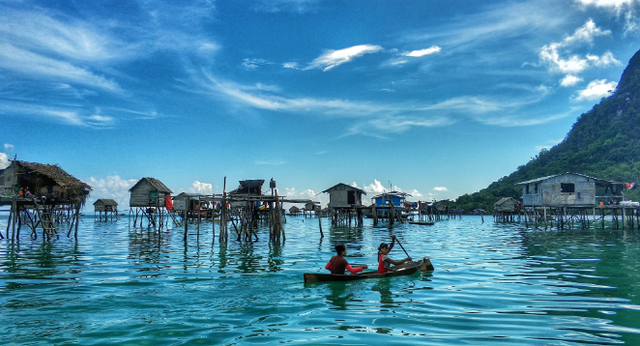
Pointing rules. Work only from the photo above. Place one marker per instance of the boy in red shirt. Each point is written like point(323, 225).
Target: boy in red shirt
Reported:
point(337, 264)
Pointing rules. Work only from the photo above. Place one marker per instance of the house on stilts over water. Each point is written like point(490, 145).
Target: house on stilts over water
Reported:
point(571, 198)
point(345, 203)
point(41, 196)
point(106, 210)
point(151, 199)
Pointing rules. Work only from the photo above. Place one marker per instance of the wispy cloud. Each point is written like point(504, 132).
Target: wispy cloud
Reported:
point(8, 146)
point(270, 163)
point(596, 90)
point(295, 6)
point(422, 52)
point(333, 58)
point(440, 189)
point(34, 65)
point(75, 116)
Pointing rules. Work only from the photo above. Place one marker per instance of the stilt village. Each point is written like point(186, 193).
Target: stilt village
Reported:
point(46, 201)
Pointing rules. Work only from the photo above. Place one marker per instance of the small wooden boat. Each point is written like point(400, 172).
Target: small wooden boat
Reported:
point(422, 265)
point(424, 223)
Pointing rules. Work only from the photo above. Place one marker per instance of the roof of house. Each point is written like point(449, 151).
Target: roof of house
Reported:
point(55, 173)
point(392, 193)
point(557, 175)
point(105, 201)
point(505, 199)
point(352, 187)
point(74, 189)
point(157, 184)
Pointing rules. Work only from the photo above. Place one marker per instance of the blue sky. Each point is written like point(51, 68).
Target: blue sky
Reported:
point(435, 98)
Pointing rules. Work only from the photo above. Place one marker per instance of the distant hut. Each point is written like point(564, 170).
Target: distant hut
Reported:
point(150, 198)
point(344, 202)
point(394, 200)
point(105, 209)
point(54, 196)
point(309, 208)
point(507, 204)
point(193, 204)
point(294, 211)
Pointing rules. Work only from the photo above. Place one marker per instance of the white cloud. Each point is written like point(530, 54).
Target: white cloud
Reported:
point(201, 188)
point(322, 198)
point(291, 65)
point(111, 187)
point(440, 189)
point(333, 58)
point(556, 57)
point(8, 146)
point(4, 160)
point(603, 61)
point(374, 188)
point(596, 90)
point(253, 64)
point(585, 33)
point(570, 80)
point(423, 52)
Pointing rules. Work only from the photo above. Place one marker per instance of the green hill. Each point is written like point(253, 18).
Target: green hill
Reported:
point(603, 143)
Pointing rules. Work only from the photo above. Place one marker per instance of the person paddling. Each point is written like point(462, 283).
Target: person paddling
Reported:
point(337, 264)
point(384, 261)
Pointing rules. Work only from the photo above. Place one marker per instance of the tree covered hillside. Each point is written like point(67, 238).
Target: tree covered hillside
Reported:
point(603, 143)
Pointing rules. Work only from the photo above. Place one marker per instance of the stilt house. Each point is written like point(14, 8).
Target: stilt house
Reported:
point(105, 205)
point(384, 199)
point(345, 203)
point(344, 196)
point(568, 189)
point(149, 192)
point(53, 197)
point(507, 205)
point(49, 181)
point(105, 209)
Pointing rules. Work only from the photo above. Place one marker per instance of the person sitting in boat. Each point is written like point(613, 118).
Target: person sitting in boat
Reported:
point(384, 261)
point(337, 264)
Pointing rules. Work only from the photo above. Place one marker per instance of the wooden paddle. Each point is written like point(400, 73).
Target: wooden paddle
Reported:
point(405, 252)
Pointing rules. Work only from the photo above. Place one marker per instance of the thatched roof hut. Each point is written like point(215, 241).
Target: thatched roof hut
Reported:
point(507, 204)
point(104, 204)
point(44, 180)
point(294, 210)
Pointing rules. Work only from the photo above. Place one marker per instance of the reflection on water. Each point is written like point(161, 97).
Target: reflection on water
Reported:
point(493, 283)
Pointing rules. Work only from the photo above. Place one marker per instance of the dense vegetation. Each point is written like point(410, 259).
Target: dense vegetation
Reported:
point(603, 143)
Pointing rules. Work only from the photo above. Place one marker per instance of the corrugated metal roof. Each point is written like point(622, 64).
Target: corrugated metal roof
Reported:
point(336, 185)
point(557, 175)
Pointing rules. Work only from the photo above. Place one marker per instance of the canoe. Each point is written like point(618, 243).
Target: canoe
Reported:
point(424, 223)
point(404, 269)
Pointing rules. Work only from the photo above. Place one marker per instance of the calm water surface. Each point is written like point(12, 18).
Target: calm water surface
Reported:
point(493, 284)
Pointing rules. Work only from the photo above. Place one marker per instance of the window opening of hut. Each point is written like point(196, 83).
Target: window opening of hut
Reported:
point(567, 187)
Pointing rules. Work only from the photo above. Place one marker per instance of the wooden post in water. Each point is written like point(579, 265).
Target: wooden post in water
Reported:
point(223, 212)
point(318, 213)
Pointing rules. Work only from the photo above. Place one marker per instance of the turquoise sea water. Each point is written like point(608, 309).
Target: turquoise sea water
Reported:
point(493, 284)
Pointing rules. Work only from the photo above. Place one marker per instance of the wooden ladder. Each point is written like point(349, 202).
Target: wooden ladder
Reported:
point(45, 219)
point(172, 213)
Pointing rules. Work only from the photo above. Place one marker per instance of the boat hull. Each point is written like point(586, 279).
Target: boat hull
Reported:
point(422, 265)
